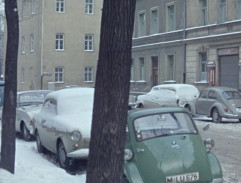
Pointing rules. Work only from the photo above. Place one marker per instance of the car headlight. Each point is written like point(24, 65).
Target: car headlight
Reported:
point(76, 136)
point(128, 154)
point(209, 144)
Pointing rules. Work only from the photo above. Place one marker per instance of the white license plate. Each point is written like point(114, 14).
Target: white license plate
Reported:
point(190, 177)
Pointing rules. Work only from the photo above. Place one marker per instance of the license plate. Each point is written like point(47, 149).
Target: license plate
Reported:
point(190, 177)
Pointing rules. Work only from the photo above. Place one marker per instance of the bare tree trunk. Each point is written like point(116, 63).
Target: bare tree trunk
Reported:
point(106, 158)
point(9, 105)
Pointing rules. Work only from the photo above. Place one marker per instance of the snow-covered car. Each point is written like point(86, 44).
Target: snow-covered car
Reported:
point(64, 123)
point(218, 103)
point(28, 103)
point(157, 97)
point(163, 145)
point(186, 93)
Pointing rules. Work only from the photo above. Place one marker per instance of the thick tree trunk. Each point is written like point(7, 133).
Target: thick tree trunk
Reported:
point(9, 105)
point(106, 158)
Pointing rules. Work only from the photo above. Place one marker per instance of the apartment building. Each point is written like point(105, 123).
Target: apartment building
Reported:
point(58, 43)
point(186, 41)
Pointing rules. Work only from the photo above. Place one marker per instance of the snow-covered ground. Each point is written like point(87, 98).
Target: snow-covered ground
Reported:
point(32, 167)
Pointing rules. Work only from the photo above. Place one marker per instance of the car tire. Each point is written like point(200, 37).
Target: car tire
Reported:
point(240, 120)
point(140, 105)
point(216, 116)
point(25, 133)
point(40, 147)
point(188, 107)
point(65, 162)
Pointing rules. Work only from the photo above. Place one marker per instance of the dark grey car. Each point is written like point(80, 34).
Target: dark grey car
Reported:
point(219, 102)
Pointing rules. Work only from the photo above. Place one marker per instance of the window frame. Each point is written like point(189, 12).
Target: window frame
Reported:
point(89, 73)
point(142, 68)
point(171, 75)
point(23, 44)
point(142, 27)
point(204, 12)
point(203, 65)
point(59, 42)
point(89, 43)
point(59, 74)
point(31, 42)
point(58, 7)
point(171, 27)
point(89, 7)
point(152, 22)
point(222, 11)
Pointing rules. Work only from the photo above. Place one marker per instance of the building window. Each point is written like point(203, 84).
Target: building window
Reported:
point(132, 70)
point(203, 12)
point(31, 43)
point(59, 42)
point(203, 66)
point(59, 74)
point(23, 44)
point(89, 39)
point(142, 24)
point(60, 6)
point(88, 74)
point(22, 75)
point(24, 9)
point(142, 68)
point(154, 21)
point(171, 17)
point(170, 67)
point(33, 6)
point(222, 11)
point(89, 6)
point(238, 9)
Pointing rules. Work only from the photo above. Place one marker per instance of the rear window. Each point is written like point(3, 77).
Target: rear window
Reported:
point(163, 125)
point(231, 95)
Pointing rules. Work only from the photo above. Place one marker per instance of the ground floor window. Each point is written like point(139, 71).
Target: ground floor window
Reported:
point(88, 74)
point(59, 74)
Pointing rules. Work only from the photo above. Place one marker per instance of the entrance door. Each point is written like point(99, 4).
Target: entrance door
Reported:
point(229, 71)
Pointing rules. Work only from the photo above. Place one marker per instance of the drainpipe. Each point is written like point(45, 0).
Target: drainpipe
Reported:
point(42, 33)
point(184, 37)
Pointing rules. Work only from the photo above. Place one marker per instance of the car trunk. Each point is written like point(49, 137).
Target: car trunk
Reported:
point(174, 156)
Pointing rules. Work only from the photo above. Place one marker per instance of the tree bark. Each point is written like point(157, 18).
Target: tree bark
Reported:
point(106, 158)
point(9, 105)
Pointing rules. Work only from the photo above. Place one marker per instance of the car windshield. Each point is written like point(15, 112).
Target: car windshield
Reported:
point(231, 95)
point(31, 98)
point(163, 125)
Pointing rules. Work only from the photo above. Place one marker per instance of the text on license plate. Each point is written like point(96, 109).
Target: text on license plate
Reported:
point(190, 177)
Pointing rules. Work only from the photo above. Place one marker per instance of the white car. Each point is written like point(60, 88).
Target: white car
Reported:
point(186, 93)
point(28, 103)
point(64, 123)
point(157, 97)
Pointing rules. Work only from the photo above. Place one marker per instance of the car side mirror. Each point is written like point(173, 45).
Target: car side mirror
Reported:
point(206, 127)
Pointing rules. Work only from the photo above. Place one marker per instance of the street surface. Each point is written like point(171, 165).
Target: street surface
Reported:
point(227, 137)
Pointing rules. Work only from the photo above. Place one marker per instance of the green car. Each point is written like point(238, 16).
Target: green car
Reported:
point(164, 146)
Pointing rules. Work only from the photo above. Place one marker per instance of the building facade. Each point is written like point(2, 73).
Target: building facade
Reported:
point(186, 41)
point(58, 43)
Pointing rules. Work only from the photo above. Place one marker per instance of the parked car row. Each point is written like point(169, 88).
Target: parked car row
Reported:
point(214, 102)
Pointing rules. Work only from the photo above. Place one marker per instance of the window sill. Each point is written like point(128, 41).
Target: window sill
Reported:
point(89, 82)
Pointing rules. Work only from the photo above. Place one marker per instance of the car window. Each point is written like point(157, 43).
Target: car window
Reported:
point(231, 95)
point(203, 94)
point(162, 125)
point(31, 98)
point(212, 94)
point(50, 106)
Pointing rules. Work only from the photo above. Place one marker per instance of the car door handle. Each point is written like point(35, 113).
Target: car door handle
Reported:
point(139, 150)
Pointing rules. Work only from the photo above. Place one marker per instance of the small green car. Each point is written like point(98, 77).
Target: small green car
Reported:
point(164, 146)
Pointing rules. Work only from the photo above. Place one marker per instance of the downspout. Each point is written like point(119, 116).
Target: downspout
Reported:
point(42, 32)
point(184, 37)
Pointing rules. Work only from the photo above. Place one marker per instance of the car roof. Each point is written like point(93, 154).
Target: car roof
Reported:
point(73, 91)
point(30, 91)
point(177, 85)
point(135, 113)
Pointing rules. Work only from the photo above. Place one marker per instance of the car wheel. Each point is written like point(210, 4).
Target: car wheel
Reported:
point(216, 116)
point(240, 120)
point(188, 107)
point(40, 147)
point(25, 133)
point(64, 162)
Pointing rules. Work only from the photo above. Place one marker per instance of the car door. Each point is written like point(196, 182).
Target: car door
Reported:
point(47, 124)
point(150, 99)
point(201, 102)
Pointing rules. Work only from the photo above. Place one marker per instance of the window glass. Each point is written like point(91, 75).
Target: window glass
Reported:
point(60, 6)
point(89, 4)
point(142, 24)
point(166, 124)
point(89, 42)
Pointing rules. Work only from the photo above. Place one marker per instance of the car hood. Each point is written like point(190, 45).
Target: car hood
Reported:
point(237, 102)
point(31, 110)
point(80, 121)
point(161, 157)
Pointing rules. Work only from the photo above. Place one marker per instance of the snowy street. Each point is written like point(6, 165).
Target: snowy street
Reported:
point(30, 166)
